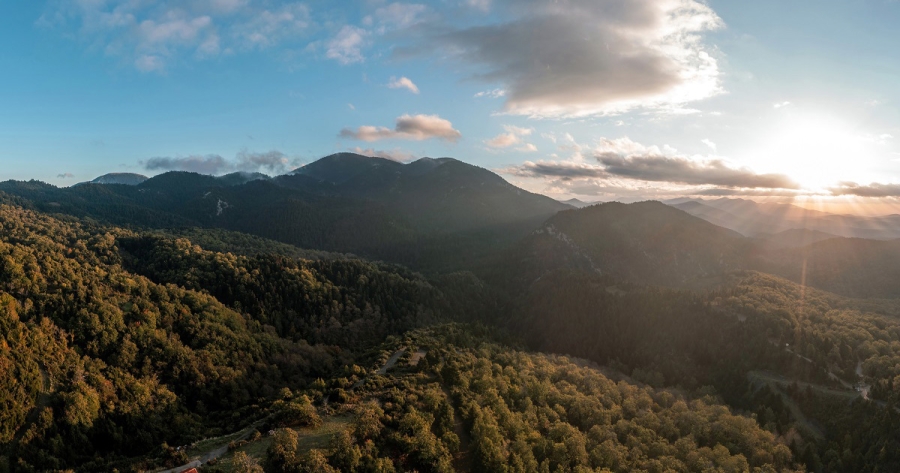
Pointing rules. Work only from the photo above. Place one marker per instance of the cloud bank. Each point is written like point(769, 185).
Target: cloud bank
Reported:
point(872, 190)
point(272, 162)
point(623, 167)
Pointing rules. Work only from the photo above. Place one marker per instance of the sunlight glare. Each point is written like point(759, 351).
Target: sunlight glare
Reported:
point(817, 151)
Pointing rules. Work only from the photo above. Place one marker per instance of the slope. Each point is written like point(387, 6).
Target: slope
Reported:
point(101, 365)
point(646, 243)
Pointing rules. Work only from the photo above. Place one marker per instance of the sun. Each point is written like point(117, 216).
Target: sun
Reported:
point(815, 150)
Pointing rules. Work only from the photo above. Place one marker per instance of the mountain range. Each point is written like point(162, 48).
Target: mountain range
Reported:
point(753, 219)
point(377, 316)
point(439, 215)
point(424, 214)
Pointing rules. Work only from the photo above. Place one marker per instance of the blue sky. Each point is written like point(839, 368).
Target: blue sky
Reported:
point(599, 99)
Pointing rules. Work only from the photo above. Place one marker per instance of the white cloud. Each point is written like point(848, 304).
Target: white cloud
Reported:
point(346, 47)
point(586, 57)
point(518, 130)
point(172, 30)
point(512, 137)
point(781, 105)
point(710, 144)
point(407, 127)
point(504, 140)
point(403, 83)
point(270, 27)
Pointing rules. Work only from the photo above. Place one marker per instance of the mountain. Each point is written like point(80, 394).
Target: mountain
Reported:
point(441, 194)
point(644, 243)
point(238, 178)
point(342, 167)
point(795, 238)
point(650, 243)
point(125, 178)
point(851, 267)
point(121, 348)
point(577, 203)
point(752, 218)
point(430, 214)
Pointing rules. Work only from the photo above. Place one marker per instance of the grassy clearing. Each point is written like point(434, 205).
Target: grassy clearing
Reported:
point(310, 438)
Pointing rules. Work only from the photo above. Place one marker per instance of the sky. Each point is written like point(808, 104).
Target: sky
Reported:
point(594, 99)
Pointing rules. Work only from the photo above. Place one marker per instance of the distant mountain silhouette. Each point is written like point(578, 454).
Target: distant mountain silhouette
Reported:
point(430, 213)
point(795, 238)
point(851, 267)
point(754, 218)
point(577, 203)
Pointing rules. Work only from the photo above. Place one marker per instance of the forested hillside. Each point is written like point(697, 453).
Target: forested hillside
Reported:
point(150, 325)
point(102, 365)
point(758, 340)
point(469, 404)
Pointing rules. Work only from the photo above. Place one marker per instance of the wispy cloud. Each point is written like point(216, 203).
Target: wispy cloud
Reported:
point(65, 175)
point(153, 35)
point(346, 47)
point(399, 15)
point(407, 127)
point(493, 93)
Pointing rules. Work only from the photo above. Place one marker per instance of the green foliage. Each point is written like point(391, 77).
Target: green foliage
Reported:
point(504, 410)
point(101, 365)
point(339, 302)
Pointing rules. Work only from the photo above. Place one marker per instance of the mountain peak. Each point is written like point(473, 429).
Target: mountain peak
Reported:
point(125, 178)
point(342, 167)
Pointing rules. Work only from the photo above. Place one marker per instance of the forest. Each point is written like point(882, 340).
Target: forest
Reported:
point(136, 343)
